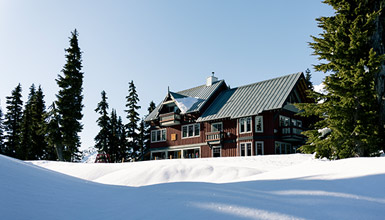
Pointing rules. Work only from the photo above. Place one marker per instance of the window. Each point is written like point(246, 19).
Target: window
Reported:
point(158, 155)
point(259, 148)
point(282, 148)
point(259, 124)
point(191, 153)
point(158, 135)
point(245, 149)
point(245, 125)
point(284, 121)
point(216, 152)
point(190, 130)
point(216, 127)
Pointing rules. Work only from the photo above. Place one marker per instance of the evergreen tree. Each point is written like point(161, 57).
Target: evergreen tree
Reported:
point(141, 137)
point(349, 109)
point(103, 121)
point(116, 147)
point(2, 148)
point(12, 123)
point(54, 135)
point(132, 116)
point(377, 42)
point(27, 125)
point(122, 150)
point(308, 79)
point(147, 127)
point(69, 99)
point(39, 148)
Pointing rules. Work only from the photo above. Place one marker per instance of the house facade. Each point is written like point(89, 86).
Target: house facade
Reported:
point(213, 120)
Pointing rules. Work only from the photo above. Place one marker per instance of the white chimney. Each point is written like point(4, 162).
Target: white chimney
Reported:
point(211, 80)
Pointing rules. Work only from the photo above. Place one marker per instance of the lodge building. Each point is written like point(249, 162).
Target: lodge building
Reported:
point(213, 120)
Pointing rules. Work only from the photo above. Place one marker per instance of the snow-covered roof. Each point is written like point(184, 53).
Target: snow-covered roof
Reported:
point(189, 100)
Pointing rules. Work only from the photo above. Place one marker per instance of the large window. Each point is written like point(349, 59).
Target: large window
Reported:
point(158, 135)
point(245, 125)
point(282, 148)
point(259, 124)
point(190, 130)
point(245, 149)
point(216, 127)
point(259, 149)
point(287, 122)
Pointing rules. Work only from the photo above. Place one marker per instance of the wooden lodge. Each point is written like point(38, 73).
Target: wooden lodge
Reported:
point(213, 120)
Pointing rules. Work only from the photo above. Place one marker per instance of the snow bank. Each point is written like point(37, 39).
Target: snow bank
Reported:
point(217, 170)
point(264, 187)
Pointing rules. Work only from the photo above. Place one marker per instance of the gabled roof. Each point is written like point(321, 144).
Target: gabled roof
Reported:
point(203, 93)
point(185, 98)
point(251, 99)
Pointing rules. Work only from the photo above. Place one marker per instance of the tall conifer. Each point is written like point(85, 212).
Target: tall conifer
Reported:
point(349, 109)
point(12, 123)
point(113, 136)
point(103, 121)
point(1, 132)
point(69, 99)
point(122, 150)
point(40, 149)
point(54, 135)
point(147, 127)
point(378, 44)
point(132, 116)
point(27, 125)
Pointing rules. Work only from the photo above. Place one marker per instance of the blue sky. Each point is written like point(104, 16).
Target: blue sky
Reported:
point(175, 43)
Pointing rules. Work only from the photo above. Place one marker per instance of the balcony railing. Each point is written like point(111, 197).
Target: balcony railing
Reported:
point(169, 119)
point(214, 136)
point(292, 130)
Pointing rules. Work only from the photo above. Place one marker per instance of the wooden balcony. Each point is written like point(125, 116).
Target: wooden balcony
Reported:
point(169, 119)
point(214, 137)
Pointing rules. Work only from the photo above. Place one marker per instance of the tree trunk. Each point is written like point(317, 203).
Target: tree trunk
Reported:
point(378, 46)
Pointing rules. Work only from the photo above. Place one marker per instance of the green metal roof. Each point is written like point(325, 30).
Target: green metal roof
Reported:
point(251, 99)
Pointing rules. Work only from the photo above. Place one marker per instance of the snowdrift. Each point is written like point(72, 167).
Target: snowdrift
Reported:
point(264, 187)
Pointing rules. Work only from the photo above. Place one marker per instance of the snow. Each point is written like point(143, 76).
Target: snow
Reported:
point(262, 187)
point(320, 88)
point(89, 155)
point(184, 104)
point(324, 132)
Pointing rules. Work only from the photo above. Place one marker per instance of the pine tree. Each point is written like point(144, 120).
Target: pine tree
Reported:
point(308, 79)
point(25, 152)
point(2, 148)
point(122, 150)
point(101, 139)
point(141, 137)
point(113, 138)
point(132, 116)
point(151, 107)
point(39, 148)
point(377, 42)
point(12, 123)
point(69, 100)
point(147, 127)
point(349, 109)
point(54, 135)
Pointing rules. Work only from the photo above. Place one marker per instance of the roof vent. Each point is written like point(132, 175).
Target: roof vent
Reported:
point(211, 80)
